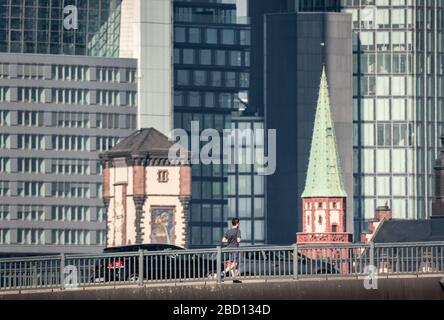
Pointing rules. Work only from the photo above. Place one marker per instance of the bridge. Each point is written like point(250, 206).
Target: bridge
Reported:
point(358, 271)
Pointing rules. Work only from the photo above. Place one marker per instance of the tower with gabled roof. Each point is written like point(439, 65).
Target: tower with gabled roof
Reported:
point(324, 198)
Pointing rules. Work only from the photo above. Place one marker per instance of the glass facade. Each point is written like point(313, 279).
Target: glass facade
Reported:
point(246, 188)
point(398, 104)
point(211, 71)
point(38, 26)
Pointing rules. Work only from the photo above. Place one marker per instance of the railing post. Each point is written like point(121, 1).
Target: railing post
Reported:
point(218, 264)
point(141, 258)
point(295, 262)
point(62, 271)
point(372, 254)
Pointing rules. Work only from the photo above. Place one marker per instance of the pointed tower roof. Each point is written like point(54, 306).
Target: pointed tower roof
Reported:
point(324, 175)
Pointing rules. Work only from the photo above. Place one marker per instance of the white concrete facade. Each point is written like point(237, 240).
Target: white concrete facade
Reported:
point(146, 35)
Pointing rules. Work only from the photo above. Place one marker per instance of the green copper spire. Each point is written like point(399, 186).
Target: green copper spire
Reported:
point(324, 175)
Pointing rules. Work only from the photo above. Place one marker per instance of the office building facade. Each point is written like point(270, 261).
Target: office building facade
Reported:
point(68, 27)
point(398, 105)
point(57, 113)
point(211, 80)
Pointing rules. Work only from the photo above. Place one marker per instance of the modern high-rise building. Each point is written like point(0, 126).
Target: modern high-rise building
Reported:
point(211, 80)
point(398, 104)
point(65, 96)
point(68, 27)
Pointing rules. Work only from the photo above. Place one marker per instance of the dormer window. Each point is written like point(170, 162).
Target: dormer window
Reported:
point(162, 176)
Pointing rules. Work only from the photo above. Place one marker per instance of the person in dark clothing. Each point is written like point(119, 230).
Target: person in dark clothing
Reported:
point(232, 239)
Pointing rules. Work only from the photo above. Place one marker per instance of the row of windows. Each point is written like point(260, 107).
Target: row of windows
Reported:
point(70, 166)
point(106, 143)
point(31, 213)
point(208, 57)
point(68, 119)
point(69, 96)
point(384, 41)
point(206, 121)
point(212, 36)
point(71, 237)
point(71, 190)
point(60, 143)
point(382, 63)
point(70, 213)
point(58, 213)
point(30, 165)
point(67, 72)
point(4, 188)
point(198, 99)
point(199, 78)
point(31, 236)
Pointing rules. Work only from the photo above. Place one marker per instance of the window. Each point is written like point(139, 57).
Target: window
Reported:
point(71, 237)
point(179, 35)
point(4, 118)
point(30, 189)
point(334, 228)
point(4, 236)
point(194, 35)
point(31, 236)
point(30, 213)
point(236, 58)
point(4, 212)
point(200, 78)
point(211, 36)
point(72, 213)
point(70, 190)
point(4, 165)
point(162, 176)
point(4, 94)
point(73, 143)
point(228, 36)
point(30, 165)
point(106, 143)
point(188, 56)
point(4, 188)
point(70, 166)
point(220, 57)
point(30, 118)
point(4, 141)
point(205, 57)
point(30, 142)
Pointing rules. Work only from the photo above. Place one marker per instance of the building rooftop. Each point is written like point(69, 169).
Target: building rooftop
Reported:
point(144, 143)
point(398, 231)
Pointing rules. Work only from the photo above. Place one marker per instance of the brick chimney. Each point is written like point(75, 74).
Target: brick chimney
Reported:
point(383, 213)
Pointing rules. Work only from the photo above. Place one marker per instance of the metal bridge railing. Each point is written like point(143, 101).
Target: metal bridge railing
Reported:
point(220, 264)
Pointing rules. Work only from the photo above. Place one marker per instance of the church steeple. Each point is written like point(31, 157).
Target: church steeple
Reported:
point(324, 200)
point(324, 175)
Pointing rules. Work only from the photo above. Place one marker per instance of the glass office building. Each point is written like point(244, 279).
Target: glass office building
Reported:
point(246, 188)
point(38, 26)
point(211, 78)
point(398, 104)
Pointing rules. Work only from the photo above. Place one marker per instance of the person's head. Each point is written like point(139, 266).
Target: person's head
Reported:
point(235, 222)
